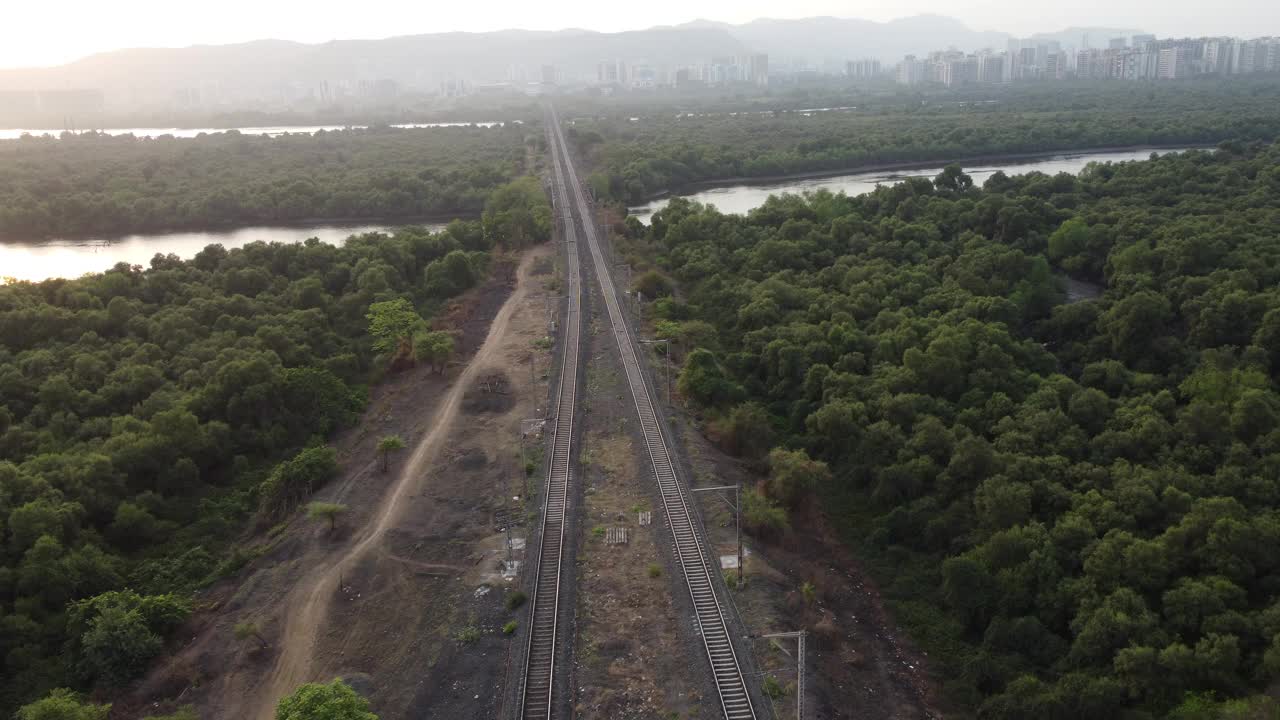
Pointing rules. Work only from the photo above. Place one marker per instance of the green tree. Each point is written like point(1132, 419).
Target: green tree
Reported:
point(793, 475)
point(326, 511)
point(296, 478)
point(332, 701)
point(703, 380)
point(436, 348)
point(387, 445)
point(1070, 240)
point(953, 178)
point(118, 645)
point(393, 325)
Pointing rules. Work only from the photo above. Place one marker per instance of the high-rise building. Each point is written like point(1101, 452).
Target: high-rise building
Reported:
point(1117, 44)
point(611, 72)
point(758, 69)
point(862, 69)
point(1055, 67)
point(1172, 64)
point(910, 71)
point(959, 71)
point(991, 67)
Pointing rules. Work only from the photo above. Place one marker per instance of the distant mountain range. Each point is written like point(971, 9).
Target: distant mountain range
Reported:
point(819, 39)
point(272, 73)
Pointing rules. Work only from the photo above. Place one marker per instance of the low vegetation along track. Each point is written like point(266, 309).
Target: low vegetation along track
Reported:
point(735, 700)
point(537, 696)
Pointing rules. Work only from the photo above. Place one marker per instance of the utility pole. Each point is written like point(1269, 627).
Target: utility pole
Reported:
point(737, 517)
point(799, 635)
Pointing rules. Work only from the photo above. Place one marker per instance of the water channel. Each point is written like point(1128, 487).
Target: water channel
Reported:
point(73, 258)
point(739, 199)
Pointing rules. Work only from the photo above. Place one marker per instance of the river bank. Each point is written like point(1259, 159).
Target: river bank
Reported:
point(69, 258)
point(230, 227)
point(1000, 158)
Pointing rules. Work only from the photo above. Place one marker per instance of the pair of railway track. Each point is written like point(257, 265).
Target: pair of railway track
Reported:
point(539, 688)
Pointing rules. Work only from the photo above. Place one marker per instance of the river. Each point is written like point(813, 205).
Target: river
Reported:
point(739, 199)
point(73, 258)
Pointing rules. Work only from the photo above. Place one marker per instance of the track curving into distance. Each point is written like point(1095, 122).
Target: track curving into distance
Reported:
point(537, 694)
point(735, 700)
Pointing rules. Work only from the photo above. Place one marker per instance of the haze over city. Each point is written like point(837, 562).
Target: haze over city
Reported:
point(32, 36)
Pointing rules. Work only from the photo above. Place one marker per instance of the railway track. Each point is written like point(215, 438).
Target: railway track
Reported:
point(690, 550)
point(538, 691)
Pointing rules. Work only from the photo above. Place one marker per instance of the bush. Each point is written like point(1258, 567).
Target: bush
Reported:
point(762, 515)
point(63, 704)
point(653, 285)
point(315, 701)
point(655, 570)
point(118, 633)
point(792, 475)
point(747, 430)
point(510, 627)
point(516, 599)
point(773, 688)
point(467, 635)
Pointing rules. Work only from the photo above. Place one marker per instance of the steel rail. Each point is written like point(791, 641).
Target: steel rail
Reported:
point(538, 693)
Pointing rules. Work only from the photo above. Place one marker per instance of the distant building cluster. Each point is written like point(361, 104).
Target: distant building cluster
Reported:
point(1141, 57)
point(728, 70)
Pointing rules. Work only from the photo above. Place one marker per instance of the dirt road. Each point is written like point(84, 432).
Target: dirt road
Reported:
point(308, 604)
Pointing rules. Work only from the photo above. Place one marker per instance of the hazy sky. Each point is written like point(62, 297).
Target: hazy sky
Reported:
point(32, 33)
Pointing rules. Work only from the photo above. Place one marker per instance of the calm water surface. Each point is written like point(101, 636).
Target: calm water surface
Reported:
point(73, 258)
point(739, 199)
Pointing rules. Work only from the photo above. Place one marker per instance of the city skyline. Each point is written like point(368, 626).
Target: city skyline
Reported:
point(34, 38)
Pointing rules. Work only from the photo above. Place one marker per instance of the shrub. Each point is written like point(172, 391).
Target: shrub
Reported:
point(762, 515)
point(332, 701)
point(516, 599)
point(652, 284)
point(467, 635)
point(510, 627)
point(773, 688)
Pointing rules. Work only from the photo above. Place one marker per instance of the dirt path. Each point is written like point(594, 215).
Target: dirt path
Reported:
point(308, 604)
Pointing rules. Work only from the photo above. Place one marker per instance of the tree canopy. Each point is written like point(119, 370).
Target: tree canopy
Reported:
point(639, 157)
point(101, 184)
point(1072, 505)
